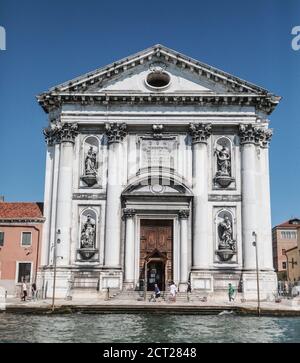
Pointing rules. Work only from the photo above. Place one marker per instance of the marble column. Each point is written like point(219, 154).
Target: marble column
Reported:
point(45, 250)
point(129, 248)
point(266, 225)
point(184, 273)
point(249, 159)
point(200, 133)
point(65, 136)
point(115, 134)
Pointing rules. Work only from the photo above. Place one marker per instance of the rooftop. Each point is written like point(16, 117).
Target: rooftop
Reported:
point(291, 223)
point(21, 210)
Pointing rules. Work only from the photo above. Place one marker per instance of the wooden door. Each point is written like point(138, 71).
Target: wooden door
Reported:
point(157, 237)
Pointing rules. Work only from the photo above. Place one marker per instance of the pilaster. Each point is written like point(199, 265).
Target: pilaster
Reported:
point(200, 134)
point(115, 134)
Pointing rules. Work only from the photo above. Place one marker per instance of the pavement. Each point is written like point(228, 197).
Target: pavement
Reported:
point(95, 305)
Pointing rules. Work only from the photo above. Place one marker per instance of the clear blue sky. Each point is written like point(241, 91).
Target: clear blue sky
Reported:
point(51, 41)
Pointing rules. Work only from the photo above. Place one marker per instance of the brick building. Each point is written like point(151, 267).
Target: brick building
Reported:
point(284, 237)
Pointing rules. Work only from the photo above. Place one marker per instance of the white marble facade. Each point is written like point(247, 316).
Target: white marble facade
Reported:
point(158, 136)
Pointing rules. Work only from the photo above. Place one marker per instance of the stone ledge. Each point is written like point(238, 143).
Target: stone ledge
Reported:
point(174, 308)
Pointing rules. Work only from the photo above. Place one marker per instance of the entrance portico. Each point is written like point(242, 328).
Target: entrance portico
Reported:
point(157, 231)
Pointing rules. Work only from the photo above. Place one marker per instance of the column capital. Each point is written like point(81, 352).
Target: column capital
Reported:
point(49, 134)
point(184, 213)
point(200, 132)
point(265, 136)
point(57, 133)
point(115, 132)
point(259, 136)
point(129, 213)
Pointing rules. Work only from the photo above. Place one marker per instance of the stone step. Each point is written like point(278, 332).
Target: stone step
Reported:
point(139, 296)
point(83, 293)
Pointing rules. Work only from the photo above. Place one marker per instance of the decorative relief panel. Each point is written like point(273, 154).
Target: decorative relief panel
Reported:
point(88, 196)
point(224, 198)
point(158, 152)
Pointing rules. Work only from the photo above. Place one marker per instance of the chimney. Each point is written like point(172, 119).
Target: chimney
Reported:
point(1, 198)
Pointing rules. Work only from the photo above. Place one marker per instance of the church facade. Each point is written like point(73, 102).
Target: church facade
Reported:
point(157, 170)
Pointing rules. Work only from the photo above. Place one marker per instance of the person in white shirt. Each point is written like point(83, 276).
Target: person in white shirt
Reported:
point(24, 290)
point(173, 291)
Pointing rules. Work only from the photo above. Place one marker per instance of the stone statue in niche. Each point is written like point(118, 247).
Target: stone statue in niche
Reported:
point(223, 174)
point(223, 161)
point(227, 245)
point(90, 168)
point(91, 162)
point(225, 234)
point(88, 234)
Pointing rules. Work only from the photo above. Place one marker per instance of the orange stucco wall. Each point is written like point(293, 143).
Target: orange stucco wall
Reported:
point(13, 252)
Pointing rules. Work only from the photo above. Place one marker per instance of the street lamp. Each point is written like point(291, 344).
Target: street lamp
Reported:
point(254, 243)
point(56, 242)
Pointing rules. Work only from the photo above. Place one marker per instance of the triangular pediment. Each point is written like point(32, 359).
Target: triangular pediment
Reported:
point(129, 71)
point(130, 76)
point(135, 81)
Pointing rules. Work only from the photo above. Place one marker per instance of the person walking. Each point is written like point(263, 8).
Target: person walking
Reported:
point(33, 291)
point(231, 291)
point(24, 290)
point(156, 294)
point(156, 291)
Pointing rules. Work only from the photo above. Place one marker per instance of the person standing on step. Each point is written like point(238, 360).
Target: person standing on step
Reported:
point(231, 292)
point(189, 290)
point(33, 291)
point(24, 290)
point(173, 291)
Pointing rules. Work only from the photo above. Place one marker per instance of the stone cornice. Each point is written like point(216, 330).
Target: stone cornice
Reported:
point(60, 132)
point(251, 134)
point(10, 221)
point(115, 132)
point(54, 100)
point(200, 132)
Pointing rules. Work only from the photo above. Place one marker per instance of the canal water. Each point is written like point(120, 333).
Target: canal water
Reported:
point(150, 328)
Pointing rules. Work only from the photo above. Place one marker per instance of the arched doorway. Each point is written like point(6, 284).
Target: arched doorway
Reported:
point(156, 252)
point(156, 274)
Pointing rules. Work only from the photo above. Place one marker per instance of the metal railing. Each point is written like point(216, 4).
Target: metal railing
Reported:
point(288, 289)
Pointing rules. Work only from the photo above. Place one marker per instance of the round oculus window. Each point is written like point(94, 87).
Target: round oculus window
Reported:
point(158, 80)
